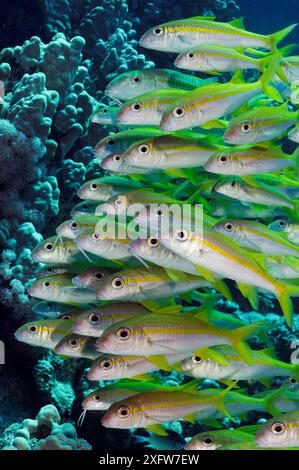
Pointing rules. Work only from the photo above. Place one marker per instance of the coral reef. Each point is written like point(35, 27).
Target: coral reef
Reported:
point(45, 432)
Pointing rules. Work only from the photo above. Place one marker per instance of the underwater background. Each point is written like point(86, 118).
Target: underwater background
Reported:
point(56, 59)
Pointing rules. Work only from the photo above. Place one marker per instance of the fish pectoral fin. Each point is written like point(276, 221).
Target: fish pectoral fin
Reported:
point(266, 381)
point(142, 377)
point(169, 310)
point(153, 305)
point(214, 124)
point(229, 382)
point(221, 287)
point(191, 418)
point(250, 293)
point(159, 361)
point(157, 429)
point(205, 273)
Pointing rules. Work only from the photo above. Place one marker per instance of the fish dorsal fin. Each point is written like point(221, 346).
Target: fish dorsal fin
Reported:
point(190, 387)
point(157, 429)
point(223, 289)
point(191, 418)
point(238, 22)
point(177, 275)
point(169, 310)
point(206, 18)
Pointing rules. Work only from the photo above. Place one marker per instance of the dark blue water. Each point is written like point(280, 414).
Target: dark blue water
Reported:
point(267, 16)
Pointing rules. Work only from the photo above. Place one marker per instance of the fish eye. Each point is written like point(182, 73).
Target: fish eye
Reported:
point(179, 112)
point(292, 380)
point(119, 201)
point(143, 148)
point(278, 428)
point(181, 235)
point(232, 184)
point(246, 127)
point(197, 359)
point(49, 270)
point(123, 412)
point(105, 111)
point(282, 223)
point(116, 158)
point(66, 317)
point(136, 106)
point(190, 55)
point(111, 142)
point(73, 342)
point(49, 246)
point(96, 236)
point(33, 328)
point(208, 440)
point(94, 318)
point(46, 283)
point(123, 333)
point(136, 79)
point(106, 364)
point(74, 225)
point(153, 242)
point(98, 275)
point(159, 212)
point(229, 227)
point(97, 397)
point(94, 186)
point(84, 206)
point(222, 159)
point(118, 283)
point(158, 31)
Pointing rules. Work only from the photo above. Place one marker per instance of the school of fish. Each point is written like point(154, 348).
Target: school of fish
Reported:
point(143, 297)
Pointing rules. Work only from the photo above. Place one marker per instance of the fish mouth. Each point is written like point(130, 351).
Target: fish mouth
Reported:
point(105, 421)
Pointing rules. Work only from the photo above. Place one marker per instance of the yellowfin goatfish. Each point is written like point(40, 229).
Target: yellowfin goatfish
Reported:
point(137, 82)
point(249, 161)
point(101, 245)
point(215, 101)
point(260, 124)
point(170, 152)
point(120, 141)
point(215, 59)
point(100, 190)
point(91, 278)
point(55, 250)
point(111, 367)
point(84, 208)
point(280, 432)
point(179, 35)
point(77, 346)
point(78, 225)
point(53, 310)
point(287, 227)
point(44, 333)
point(150, 409)
point(237, 189)
point(105, 115)
point(152, 250)
point(147, 109)
point(115, 164)
point(142, 284)
point(103, 398)
point(151, 335)
point(264, 369)
point(93, 322)
point(213, 252)
point(60, 288)
point(223, 439)
point(256, 236)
